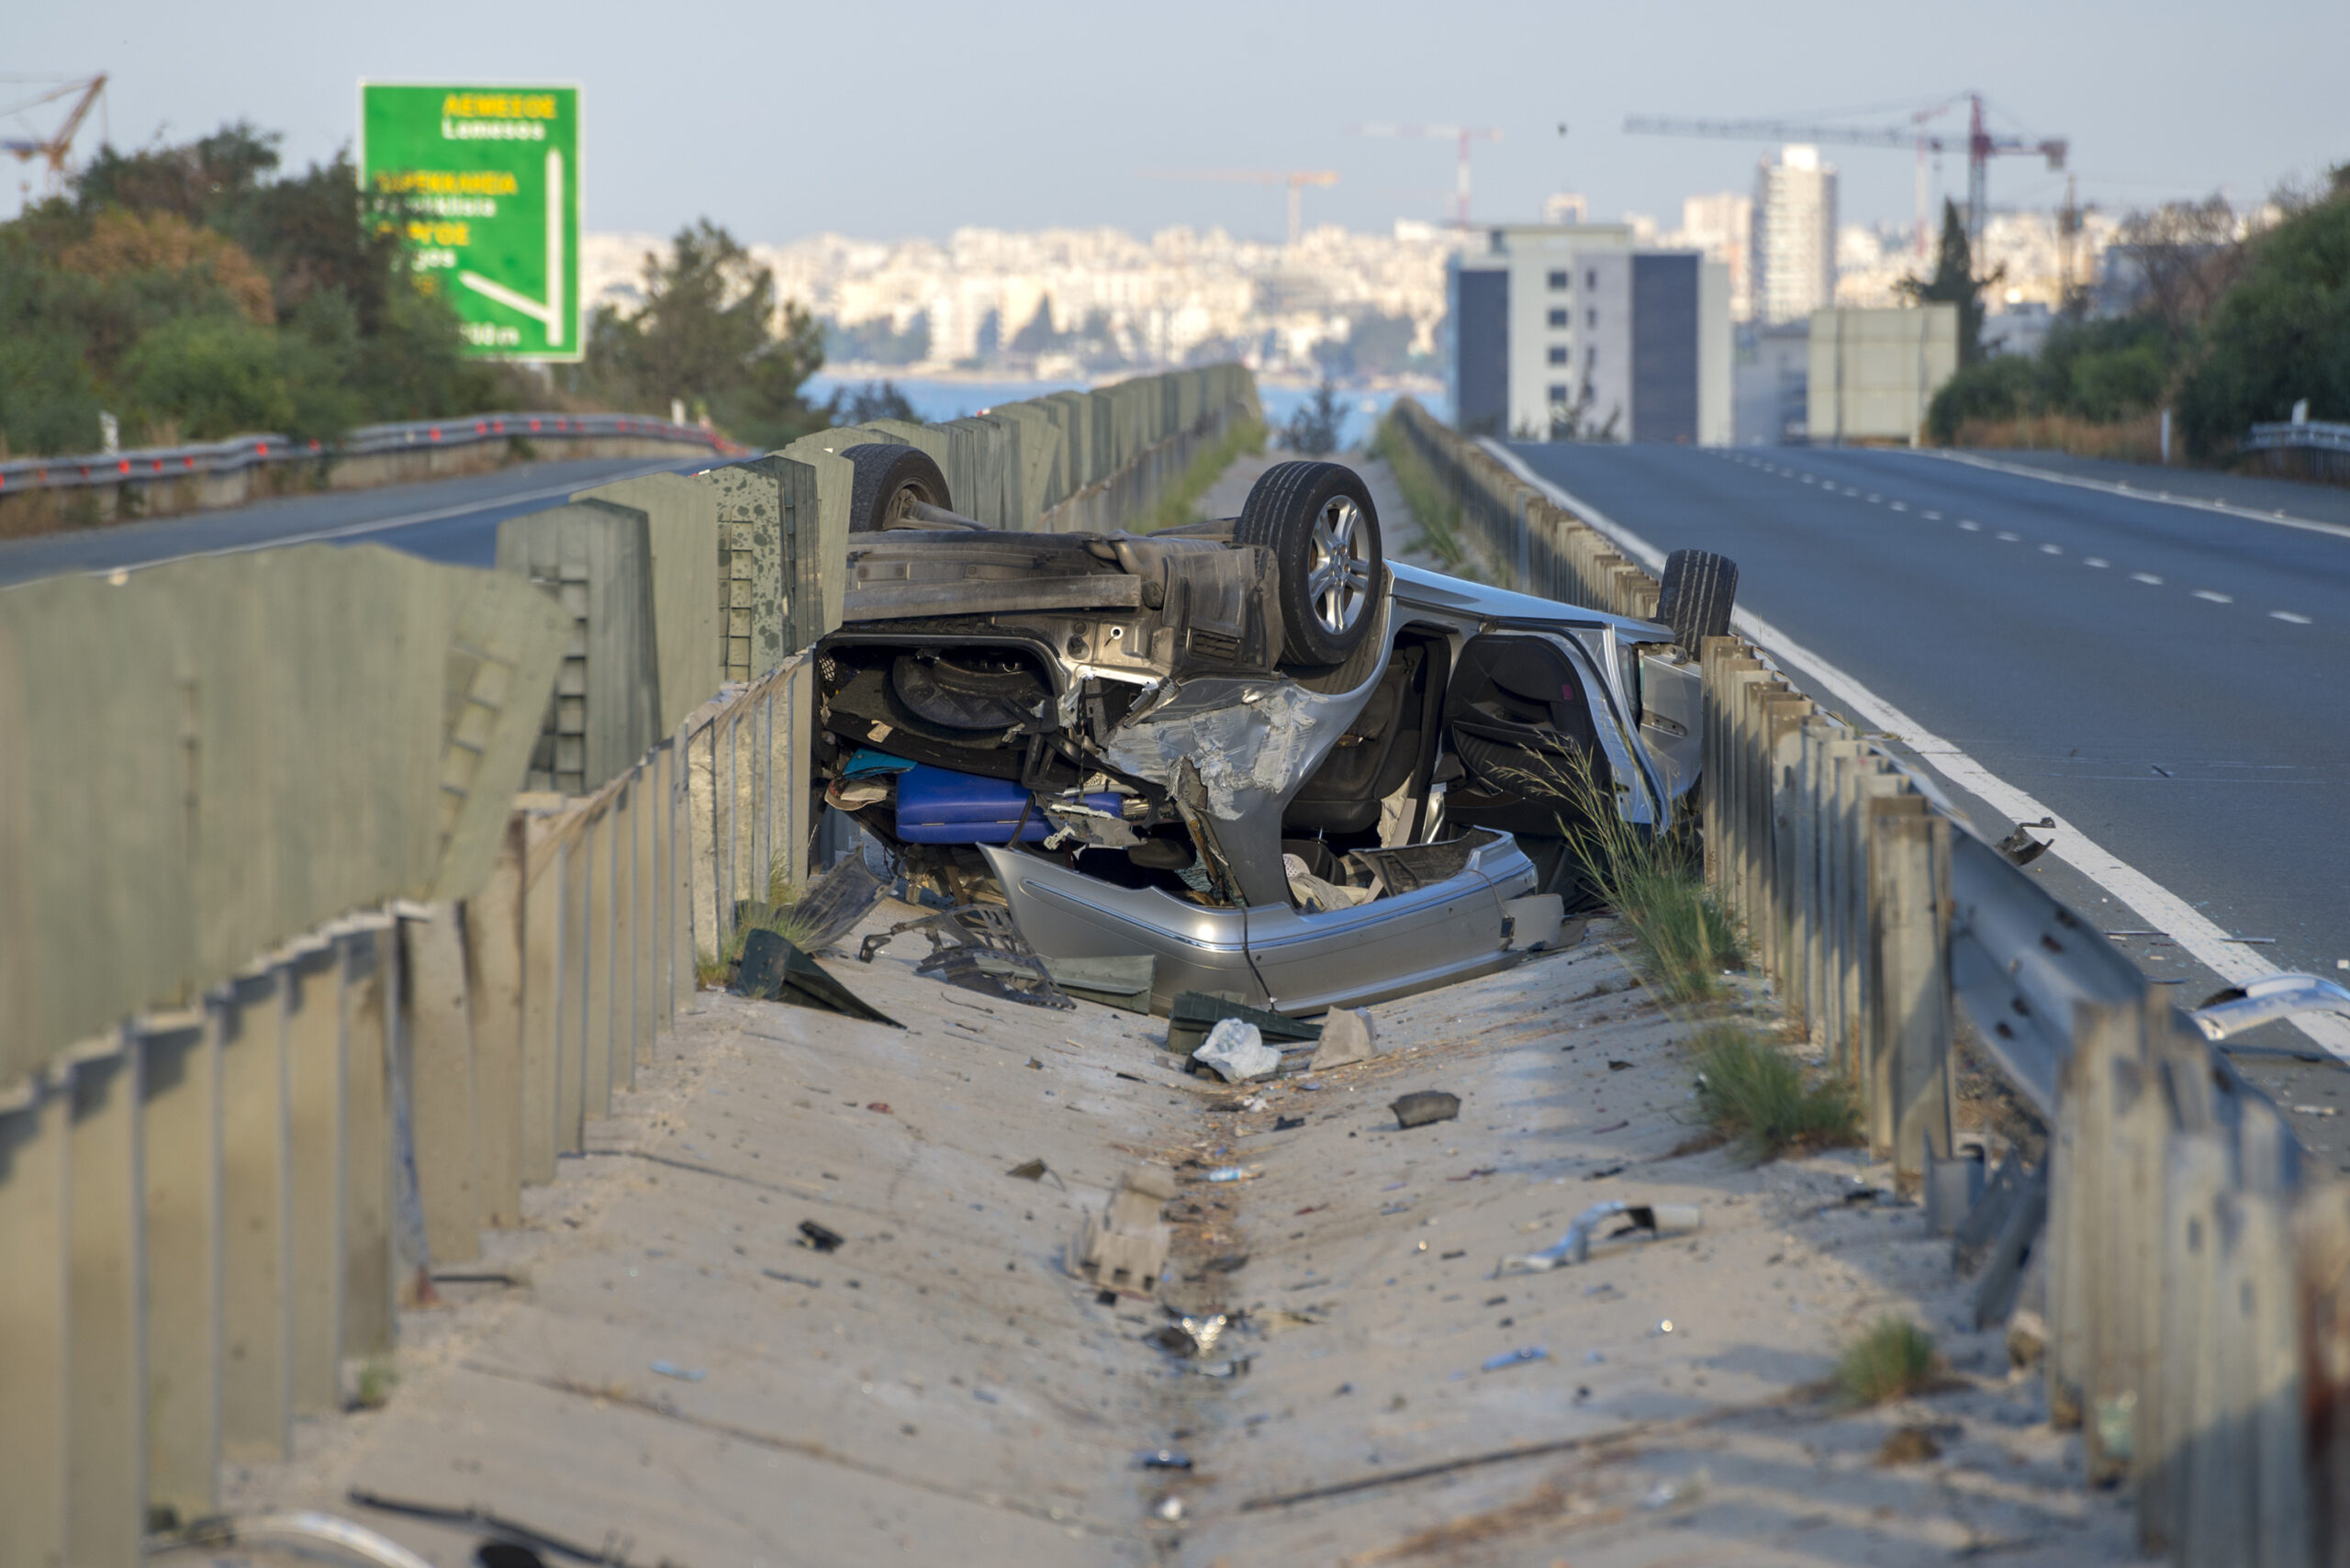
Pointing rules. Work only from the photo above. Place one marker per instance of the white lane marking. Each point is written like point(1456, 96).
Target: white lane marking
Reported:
point(2006, 538)
point(1810, 480)
point(2052, 550)
point(2215, 598)
point(1873, 496)
point(2095, 561)
point(1899, 506)
point(1970, 525)
point(2288, 615)
point(352, 530)
point(2163, 498)
point(1931, 516)
point(2147, 577)
point(2161, 908)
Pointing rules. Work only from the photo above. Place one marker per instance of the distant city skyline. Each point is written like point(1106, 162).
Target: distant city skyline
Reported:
point(774, 128)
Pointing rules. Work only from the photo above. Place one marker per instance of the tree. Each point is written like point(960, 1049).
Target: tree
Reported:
point(1315, 429)
point(2281, 334)
point(874, 400)
point(711, 336)
point(2186, 254)
point(1954, 281)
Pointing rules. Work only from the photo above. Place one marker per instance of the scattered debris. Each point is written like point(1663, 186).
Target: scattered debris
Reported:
point(1171, 1509)
point(772, 969)
point(474, 1517)
point(1517, 1358)
point(977, 947)
point(1427, 1105)
point(1619, 1066)
point(793, 1279)
point(2020, 847)
point(1125, 1247)
point(1474, 1174)
point(1603, 1172)
point(296, 1532)
point(1230, 1264)
point(1235, 1049)
point(1274, 1320)
point(1291, 1124)
point(1232, 1173)
point(683, 1374)
point(1192, 1337)
point(1036, 1170)
point(1163, 1459)
point(818, 1237)
point(1667, 1493)
point(1913, 1444)
point(881, 1106)
point(831, 906)
point(1194, 1013)
point(2027, 1339)
point(1124, 982)
point(1574, 1247)
point(1349, 1036)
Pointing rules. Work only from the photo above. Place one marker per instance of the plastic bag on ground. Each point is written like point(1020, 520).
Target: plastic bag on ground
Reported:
point(1237, 1052)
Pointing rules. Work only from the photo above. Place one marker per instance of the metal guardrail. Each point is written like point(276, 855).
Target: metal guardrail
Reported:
point(2193, 1272)
point(151, 463)
point(2315, 434)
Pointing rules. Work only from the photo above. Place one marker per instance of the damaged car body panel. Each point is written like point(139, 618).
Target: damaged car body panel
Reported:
point(1166, 745)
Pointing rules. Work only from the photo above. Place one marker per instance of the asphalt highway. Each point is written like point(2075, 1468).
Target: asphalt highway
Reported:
point(443, 519)
point(2174, 679)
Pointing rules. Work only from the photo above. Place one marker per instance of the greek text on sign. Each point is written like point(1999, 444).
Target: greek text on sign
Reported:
point(481, 184)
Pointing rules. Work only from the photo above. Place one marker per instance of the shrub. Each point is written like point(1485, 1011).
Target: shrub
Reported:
point(1892, 1360)
point(1752, 1092)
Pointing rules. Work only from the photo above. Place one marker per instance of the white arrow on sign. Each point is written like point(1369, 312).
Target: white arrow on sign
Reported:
point(552, 311)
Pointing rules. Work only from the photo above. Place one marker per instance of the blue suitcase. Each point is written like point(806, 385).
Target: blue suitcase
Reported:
point(936, 805)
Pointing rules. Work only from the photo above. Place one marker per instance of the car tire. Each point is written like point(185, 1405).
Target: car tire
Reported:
point(1696, 597)
point(887, 478)
point(1318, 521)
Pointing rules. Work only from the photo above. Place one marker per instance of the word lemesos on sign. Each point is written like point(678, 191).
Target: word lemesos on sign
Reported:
point(481, 185)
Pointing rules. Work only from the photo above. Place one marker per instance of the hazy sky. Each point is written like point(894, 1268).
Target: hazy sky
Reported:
point(917, 118)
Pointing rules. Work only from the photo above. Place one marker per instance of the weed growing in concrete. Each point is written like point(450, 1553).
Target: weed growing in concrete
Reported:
point(377, 1378)
point(1751, 1091)
point(779, 913)
point(1652, 878)
point(1892, 1360)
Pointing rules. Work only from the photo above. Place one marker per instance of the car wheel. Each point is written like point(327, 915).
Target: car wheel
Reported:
point(1318, 521)
point(888, 480)
point(1696, 597)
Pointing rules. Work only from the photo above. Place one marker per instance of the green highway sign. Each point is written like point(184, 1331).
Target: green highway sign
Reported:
point(482, 184)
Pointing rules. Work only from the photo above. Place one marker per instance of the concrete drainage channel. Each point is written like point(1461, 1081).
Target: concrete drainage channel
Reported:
point(659, 1354)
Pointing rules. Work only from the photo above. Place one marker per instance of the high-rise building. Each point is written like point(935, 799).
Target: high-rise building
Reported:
point(1570, 331)
point(1722, 225)
point(1794, 235)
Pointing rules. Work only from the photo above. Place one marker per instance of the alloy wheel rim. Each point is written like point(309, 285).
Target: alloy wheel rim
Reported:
point(1337, 581)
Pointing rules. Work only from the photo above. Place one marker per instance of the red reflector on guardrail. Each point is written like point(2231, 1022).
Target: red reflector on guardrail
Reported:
point(261, 449)
point(436, 433)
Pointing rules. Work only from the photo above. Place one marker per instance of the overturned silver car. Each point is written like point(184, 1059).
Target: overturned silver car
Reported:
point(1288, 769)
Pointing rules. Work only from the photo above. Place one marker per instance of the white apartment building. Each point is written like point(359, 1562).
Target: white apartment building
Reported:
point(1556, 326)
point(1793, 250)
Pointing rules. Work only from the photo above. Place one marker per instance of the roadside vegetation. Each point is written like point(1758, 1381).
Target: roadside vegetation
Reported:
point(1894, 1360)
point(2235, 318)
point(1752, 1092)
point(1180, 503)
point(1682, 936)
point(778, 913)
point(197, 290)
point(1434, 507)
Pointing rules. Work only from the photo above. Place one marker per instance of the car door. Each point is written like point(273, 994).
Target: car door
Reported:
point(1539, 734)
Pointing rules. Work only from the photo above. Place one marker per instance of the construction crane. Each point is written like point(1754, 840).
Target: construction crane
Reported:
point(1982, 146)
point(1462, 134)
point(53, 150)
point(1296, 179)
